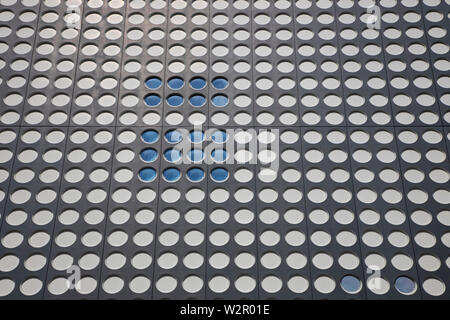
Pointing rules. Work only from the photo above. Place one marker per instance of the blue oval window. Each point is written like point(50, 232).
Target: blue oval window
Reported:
point(150, 136)
point(175, 100)
point(153, 83)
point(196, 155)
point(195, 174)
point(405, 285)
point(147, 174)
point(197, 100)
point(351, 284)
point(219, 155)
point(220, 100)
point(219, 174)
point(172, 155)
point(149, 155)
point(220, 83)
point(196, 136)
point(174, 136)
point(172, 174)
point(176, 83)
point(219, 136)
point(152, 100)
point(198, 83)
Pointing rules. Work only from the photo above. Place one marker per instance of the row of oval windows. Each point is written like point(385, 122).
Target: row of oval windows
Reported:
point(279, 4)
point(244, 238)
point(222, 118)
point(314, 156)
point(220, 83)
point(261, 19)
point(219, 174)
point(221, 195)
point(408, 155)
point(265, 35)
point(313, 137)
point(174, 174)
point(93, 217)
point(264, 84)
point(316, 176)
point(282, 18)
point(358, 136)
point(177, 100)
point(219, 284)
point(335, 136)
point(223, 4)
point(177, 83)
point(199, 19)
point(221, 35)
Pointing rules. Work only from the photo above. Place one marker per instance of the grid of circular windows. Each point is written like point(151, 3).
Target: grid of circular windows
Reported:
point(98, 75)
point(18, 25)
point(29, 213)
point(245, 149)
point(246, 71)
point(413, 98)
point(53, 69)
point(231, 92)
point(320, 84)
point(425, 168)
point(8, 141)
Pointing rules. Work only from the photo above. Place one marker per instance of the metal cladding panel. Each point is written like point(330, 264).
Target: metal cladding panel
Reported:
point(249, 149)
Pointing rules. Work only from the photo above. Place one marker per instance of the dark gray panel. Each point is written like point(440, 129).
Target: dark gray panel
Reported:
point(17, 42)
point(55, 60)
point(28, 224)
point(333, 182)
